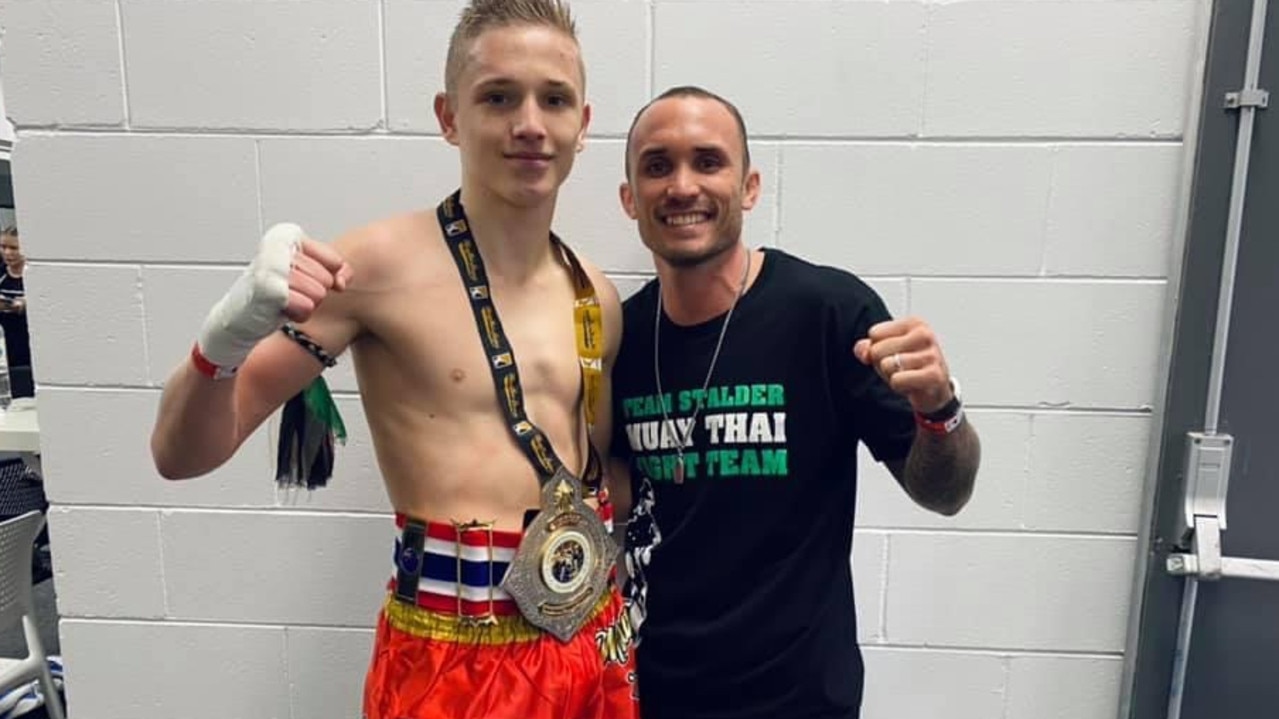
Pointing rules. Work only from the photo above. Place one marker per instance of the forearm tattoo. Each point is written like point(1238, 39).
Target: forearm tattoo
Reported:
point(940, 471)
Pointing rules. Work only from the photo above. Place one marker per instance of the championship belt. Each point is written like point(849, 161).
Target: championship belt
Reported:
point(561, 567)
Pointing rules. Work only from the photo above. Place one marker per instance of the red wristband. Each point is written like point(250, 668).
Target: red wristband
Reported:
point(941, 427)
point(206, 367)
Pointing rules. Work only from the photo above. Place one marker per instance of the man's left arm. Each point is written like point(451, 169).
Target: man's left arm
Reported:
point(940, 470)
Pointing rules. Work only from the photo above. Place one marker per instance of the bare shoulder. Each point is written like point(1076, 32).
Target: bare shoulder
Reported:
point(604, 286)
point(377, 252)
point(610, 302)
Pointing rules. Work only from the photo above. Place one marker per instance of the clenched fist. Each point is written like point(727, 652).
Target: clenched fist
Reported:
point(290, 276)
point(906, 354)
point(316, 270)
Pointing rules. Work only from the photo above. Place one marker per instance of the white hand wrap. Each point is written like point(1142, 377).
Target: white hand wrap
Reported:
point(254, 306)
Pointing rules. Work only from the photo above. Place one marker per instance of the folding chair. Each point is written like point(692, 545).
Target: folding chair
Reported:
point(17, 537)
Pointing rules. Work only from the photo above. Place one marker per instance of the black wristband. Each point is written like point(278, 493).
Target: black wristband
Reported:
point(948, 410)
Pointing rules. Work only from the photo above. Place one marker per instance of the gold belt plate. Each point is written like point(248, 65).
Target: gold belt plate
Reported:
point(561, 567)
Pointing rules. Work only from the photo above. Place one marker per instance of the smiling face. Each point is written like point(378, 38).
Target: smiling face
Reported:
point(518, 114)
point(689, 184)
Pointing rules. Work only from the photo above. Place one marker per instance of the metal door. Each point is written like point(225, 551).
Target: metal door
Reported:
point(1206, 637)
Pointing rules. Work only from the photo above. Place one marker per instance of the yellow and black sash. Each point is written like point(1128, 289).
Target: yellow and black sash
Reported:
point(561, 568)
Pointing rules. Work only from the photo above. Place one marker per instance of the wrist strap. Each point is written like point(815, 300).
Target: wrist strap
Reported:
point(206, 367)
point(941, 427)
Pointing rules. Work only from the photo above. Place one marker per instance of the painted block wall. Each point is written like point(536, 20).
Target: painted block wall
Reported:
point(1008, 170)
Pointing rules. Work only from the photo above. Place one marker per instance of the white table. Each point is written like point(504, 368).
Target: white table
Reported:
point(19, 427)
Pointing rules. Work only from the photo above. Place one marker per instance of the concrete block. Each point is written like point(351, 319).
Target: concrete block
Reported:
point(137, 198)
point(1013, 591)
point(107, 562)
point(330, 186)
point(416, 45)
point(880, 208)
point(61, 61)
point(998, 69)
point(175, 670)
point(291, 66)
point(277, 567)
point(1079, 344)
point(915, 684)
point(1113, 209)
point(1087, 472)
point(866, 58)
point(96, 446)
point(1063, 687)
point(86, 324)
point(327, 669)
point(614, 38)
point(869, 561)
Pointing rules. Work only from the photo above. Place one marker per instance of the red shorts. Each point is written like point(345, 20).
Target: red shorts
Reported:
point(431, 662)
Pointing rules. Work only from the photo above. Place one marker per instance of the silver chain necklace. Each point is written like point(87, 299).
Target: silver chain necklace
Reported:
point(667, 425)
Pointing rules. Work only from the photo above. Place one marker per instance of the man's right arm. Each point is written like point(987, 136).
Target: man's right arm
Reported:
point(203, 420)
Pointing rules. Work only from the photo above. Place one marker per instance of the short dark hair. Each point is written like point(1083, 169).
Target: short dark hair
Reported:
point(691, 91)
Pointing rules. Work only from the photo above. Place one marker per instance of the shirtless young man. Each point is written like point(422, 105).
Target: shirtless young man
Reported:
point(459, 480)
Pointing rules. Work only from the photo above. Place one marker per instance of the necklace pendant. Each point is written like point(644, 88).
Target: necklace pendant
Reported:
point(679, 470)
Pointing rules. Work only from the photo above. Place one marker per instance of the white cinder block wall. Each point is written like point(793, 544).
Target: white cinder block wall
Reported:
point(1007, 169)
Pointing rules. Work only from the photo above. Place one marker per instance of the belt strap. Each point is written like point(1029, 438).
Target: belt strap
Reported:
point(587, 320)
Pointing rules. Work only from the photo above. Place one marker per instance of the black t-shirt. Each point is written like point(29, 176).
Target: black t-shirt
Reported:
point(16, 336)
point(741, 583)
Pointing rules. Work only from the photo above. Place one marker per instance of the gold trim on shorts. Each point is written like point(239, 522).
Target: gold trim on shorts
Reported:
point(437, 626)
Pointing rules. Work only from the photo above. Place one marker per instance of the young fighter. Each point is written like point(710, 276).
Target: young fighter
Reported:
point(483, 348)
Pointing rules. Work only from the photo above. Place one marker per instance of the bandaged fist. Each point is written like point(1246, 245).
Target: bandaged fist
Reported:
point(316, 270)
point(290, 276)
point(906, 354)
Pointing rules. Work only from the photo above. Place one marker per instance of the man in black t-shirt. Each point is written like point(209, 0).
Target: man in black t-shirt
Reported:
point(744, 383)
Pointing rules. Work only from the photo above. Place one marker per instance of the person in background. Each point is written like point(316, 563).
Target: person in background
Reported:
point(13, 315)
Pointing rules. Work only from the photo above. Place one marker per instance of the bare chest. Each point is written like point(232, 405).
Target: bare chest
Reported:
point(434, 346)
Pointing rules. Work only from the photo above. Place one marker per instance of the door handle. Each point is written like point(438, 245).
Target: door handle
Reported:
point(1207, 472)
point(1231, 567)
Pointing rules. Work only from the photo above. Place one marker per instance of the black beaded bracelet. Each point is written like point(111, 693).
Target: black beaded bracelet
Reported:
point(312, 347)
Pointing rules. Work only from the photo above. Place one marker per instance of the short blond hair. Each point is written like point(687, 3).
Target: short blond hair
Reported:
point(482, 15)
